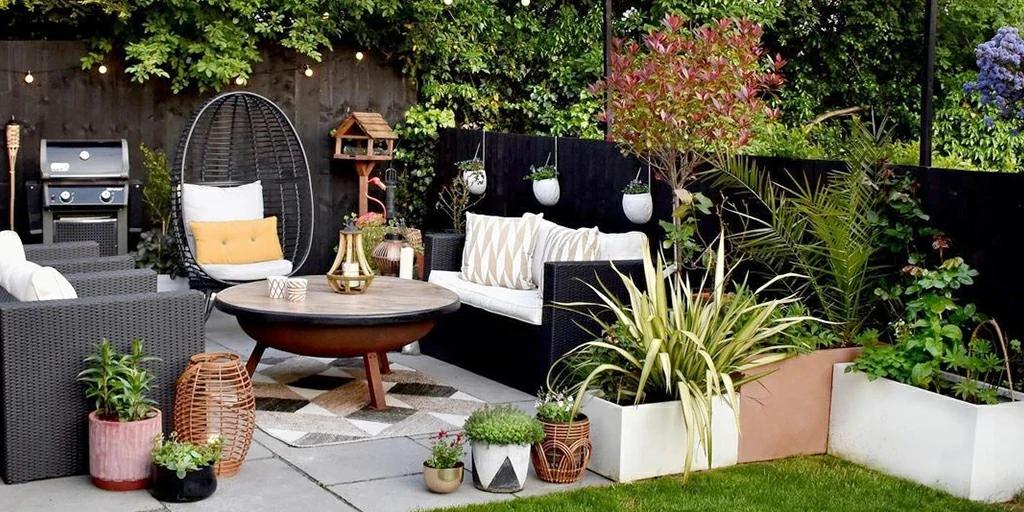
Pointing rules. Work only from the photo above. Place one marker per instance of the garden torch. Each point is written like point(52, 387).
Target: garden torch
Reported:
point(13, 143)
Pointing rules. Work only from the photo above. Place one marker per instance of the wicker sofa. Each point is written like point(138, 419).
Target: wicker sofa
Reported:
point(507, 348)
point(42, 344)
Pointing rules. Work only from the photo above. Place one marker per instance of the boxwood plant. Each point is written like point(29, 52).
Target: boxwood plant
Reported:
point(503, 425)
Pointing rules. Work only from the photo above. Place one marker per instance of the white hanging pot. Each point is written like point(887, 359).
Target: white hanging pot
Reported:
point(638, 207)
point(476, 181)
point(500, 468)
point(546, 191)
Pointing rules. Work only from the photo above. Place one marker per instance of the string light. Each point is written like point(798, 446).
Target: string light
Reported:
point(524, 3)
point(308, 72)
point(102, 69)
point(29, 78)
point(240, 81)
point(446, 2)
point(359, 55)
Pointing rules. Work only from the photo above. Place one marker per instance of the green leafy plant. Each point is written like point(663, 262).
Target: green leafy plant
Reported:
point(456, 200)
point(446, 451)
point(544, 172)
point(672, 342)
point(158, 248)
point(503, 424)
point(681, 233)
point(555, 406)
point(183, 457)
point(117, 383)
point(636, 187)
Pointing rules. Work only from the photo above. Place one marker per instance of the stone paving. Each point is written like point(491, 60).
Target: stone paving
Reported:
point(370, 476)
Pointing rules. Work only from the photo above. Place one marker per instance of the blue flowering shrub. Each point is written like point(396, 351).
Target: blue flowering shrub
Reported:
point(1000, 82)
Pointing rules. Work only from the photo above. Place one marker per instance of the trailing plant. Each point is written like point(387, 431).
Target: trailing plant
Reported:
point(446, 451)
point(827, 230)
point(455, 201)
point(117, 383)
point(158, 248)
point(636, 187)
point(544, 172)
point(686, 93)
point(672, 342)
point(503, 424)
point(555, 406)
point(183, 457)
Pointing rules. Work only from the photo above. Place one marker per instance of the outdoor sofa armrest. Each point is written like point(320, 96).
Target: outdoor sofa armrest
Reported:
point(442, 251)
point(117, 282)
point(62, 251)
point(42, 344)
point(82, 265)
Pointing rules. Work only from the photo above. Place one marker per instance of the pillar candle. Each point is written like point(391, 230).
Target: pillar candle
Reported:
point(405, 262)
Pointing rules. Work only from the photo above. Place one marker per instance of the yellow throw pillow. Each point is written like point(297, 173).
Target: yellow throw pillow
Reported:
point(236, 242)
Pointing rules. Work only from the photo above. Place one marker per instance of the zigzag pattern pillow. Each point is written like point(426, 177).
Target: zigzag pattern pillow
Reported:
point(563, 244)
point(499, 250)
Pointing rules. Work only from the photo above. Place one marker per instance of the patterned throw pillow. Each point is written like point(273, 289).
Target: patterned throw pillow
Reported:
point(499, 250)
point(564, 244)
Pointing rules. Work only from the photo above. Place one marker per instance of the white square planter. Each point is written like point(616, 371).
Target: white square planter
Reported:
point(645, 441)
point(972, 451)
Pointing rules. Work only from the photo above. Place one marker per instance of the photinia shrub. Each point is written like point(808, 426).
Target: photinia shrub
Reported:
point(1001, 76)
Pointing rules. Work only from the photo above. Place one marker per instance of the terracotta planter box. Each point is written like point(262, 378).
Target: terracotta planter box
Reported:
point(786, 413)
point(119, 452)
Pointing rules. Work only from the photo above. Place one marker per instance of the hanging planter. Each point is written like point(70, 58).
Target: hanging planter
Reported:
point(637, 203)
point(474, 175)
point(545, 184)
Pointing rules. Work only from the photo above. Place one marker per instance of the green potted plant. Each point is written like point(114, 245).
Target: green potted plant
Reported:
point(545, 184)
point(474, 175)
point(443, 471)
point(501, 436)
point(158, 248)
point(125, 419)
point(562, 457)
point(183, 472)
point(637, 203)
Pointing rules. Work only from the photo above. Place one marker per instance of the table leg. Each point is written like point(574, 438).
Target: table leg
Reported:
point(254, 358)
point(385, 365)
point(372, 364)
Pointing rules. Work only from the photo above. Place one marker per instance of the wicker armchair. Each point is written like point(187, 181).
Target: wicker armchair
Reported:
point(511, 351)
point(238, 138)
point(62, 251)
point(42, 407)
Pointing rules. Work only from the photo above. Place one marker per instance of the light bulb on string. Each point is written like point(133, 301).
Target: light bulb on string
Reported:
point(308, 72)
point(524, 3)
point(446, 2)
point(240, 81)
point(102, 69)
point(359, 55)
point(29, 78)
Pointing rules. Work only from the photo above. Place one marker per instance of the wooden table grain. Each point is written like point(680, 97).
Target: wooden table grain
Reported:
point(390, 314)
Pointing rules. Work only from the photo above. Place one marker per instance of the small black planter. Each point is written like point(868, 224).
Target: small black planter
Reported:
point(197, 485)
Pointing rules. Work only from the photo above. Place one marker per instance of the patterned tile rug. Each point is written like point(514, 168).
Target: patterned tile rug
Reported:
point(307, 401)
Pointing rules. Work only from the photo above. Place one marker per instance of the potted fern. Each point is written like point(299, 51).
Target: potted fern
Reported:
point(545, 184)
point(637, 203)
point(501, 436)
point(183, 471)
point(124, 420)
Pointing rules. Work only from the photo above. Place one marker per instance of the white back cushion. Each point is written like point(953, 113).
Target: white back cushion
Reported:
point(27, 281)
point(11, 250)
point(621, 246)
point(205, 203)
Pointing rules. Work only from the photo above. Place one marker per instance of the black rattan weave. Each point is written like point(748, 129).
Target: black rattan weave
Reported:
point(238, 138)
point(93, 264)
point(62, 251)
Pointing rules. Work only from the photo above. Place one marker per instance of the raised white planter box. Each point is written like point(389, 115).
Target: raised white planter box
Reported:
point(972, 451)
point(645, 441)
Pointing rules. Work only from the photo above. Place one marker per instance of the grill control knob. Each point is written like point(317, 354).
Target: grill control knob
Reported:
point(65, 197)
point(106, 196)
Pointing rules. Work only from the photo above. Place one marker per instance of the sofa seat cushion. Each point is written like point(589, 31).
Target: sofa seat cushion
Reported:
point(27, 281)
point(523, 305)
point(249, 271)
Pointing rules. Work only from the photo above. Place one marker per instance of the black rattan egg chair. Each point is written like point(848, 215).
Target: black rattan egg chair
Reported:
point(234, 139)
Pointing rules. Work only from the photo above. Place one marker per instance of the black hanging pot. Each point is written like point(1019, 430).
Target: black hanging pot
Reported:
point(197, 485)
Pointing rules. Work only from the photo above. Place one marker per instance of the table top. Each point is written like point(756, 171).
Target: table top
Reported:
point(389, 300)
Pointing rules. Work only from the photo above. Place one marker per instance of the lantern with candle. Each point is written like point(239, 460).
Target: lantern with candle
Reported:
point(350, 272)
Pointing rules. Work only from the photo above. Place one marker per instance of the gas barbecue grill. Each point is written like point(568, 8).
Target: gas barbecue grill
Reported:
point(85, 192)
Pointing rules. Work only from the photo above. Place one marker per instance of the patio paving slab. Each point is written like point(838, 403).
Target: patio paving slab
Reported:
point(267, 484)
point(72, 494)
point(409, 493)
point(481, 387)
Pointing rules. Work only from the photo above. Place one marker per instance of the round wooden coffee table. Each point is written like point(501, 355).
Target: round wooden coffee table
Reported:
point(389, 315)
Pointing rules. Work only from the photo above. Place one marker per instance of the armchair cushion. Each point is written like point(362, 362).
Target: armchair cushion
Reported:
point(27, 281)
point(523, 305)
point(11, 249)
point(236, 242)
point(249, 271)
point(207, 203)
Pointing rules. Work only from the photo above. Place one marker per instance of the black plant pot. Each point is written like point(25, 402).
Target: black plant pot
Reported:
point(197, 485)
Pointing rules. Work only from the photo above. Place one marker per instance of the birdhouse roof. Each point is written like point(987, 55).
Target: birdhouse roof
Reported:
point(371, 124)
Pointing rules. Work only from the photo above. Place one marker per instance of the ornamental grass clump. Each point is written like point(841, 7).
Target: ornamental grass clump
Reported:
point(503, 425)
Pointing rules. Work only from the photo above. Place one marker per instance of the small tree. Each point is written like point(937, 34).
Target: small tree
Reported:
point(686, 93)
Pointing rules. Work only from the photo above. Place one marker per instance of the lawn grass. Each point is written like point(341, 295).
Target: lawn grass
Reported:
point(797, 484)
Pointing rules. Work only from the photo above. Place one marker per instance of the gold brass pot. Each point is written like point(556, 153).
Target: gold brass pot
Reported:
point(445, 480)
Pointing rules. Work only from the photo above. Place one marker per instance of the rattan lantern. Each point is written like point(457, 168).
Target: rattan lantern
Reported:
point(350, 272)
point(214, 398)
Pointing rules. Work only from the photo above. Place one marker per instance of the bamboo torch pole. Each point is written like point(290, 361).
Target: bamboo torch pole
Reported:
point(13, 143)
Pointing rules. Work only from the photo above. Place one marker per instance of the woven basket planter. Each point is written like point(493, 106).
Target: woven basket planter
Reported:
point(562, 457)
point(214, 397)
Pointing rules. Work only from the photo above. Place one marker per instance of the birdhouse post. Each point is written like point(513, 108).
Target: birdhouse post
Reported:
point(365, 138)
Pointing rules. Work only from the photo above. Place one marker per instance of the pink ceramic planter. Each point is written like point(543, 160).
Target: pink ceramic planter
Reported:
point(119, 452)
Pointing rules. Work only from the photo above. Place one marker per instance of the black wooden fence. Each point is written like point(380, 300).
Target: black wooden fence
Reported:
point(978, 210)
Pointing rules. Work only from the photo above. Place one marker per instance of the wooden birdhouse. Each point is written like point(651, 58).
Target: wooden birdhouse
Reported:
point(365, 138)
